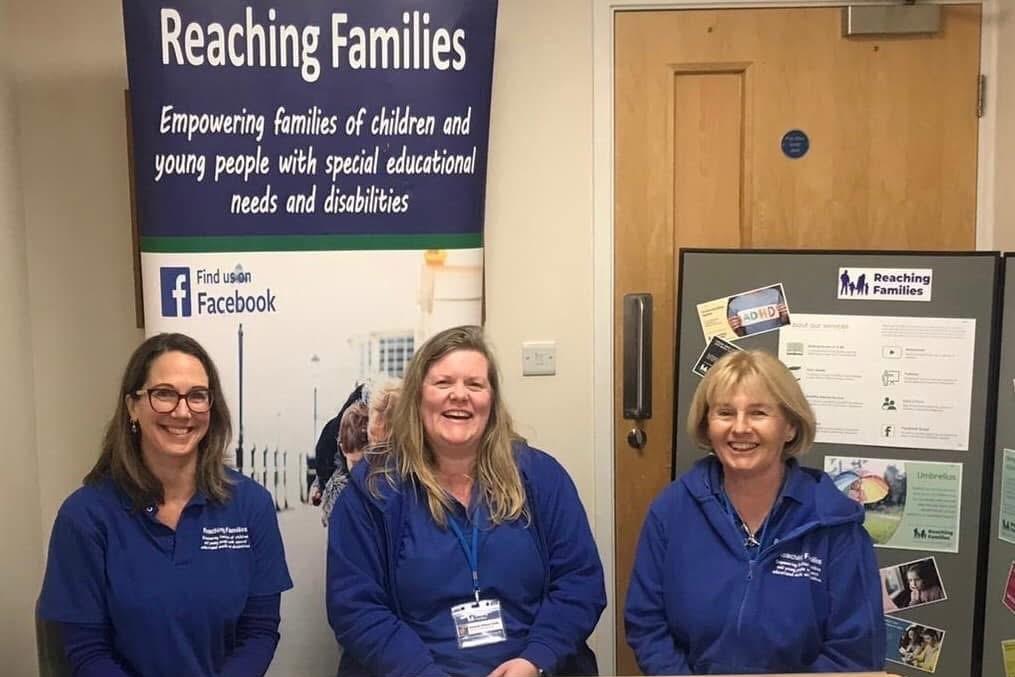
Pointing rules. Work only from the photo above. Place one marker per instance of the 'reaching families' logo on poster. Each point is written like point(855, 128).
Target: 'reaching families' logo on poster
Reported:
point(179, 295)
point(885, 284)
point(175, 291)
point(912, 505)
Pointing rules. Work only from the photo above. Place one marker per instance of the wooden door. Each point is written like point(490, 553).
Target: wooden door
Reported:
point(703, 99)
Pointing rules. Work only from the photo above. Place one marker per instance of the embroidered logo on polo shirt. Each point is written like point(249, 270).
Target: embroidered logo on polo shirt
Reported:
point(225, 538)
point(803, 565)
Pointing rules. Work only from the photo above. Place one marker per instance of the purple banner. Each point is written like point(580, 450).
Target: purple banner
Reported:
point(313, 118)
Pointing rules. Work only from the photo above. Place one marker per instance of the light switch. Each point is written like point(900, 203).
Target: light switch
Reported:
point(539, 358)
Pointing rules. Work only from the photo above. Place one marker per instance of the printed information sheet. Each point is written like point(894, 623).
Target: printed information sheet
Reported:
point(1008, 654)
point(1006, 523)
point(912, 505)
point(884, 381)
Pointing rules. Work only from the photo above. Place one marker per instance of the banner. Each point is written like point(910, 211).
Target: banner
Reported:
point(310, 184)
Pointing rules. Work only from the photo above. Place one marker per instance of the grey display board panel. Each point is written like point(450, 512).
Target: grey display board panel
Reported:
point(999, 620)
point(965, 285)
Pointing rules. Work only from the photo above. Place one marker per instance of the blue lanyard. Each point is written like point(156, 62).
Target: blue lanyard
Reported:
point(471, 554)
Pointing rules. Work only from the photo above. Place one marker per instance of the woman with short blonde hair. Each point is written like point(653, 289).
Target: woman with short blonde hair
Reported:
point(750, 562)
point(728, 374)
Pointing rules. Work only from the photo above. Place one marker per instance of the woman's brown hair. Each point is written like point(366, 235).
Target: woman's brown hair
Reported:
point(121, 458)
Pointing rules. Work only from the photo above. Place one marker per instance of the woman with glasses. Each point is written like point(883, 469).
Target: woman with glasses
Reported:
point(166, 562)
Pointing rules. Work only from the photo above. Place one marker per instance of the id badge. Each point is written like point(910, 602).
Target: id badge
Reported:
point(478, 623)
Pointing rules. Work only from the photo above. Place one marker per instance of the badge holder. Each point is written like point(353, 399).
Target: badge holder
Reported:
point(478, 623)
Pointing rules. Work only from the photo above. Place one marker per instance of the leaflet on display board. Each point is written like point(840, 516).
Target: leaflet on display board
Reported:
point(885, 381)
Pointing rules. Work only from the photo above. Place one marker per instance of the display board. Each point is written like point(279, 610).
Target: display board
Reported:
point(897, 353)
point(999, 601)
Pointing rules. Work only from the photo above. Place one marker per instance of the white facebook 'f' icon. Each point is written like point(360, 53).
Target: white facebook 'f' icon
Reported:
point(179, 293)
point(175, 291)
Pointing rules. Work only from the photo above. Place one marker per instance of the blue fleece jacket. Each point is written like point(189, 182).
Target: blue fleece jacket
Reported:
point(363, 599)
point(808, 600)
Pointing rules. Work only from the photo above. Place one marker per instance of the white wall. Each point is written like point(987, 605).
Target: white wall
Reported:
point(70, 80)
point(19, 480)
point(1002, 87)
point(539, 227)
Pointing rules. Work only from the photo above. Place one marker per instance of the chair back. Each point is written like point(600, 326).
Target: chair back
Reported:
point(49, 644)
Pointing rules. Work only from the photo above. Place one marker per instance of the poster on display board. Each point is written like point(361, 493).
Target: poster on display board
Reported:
point(1008, 657)
point(1008, 599)
point(885, 381)
point(747, 313)
point(310, 188)
point(1006, 523)
point(916, 645)
point(912, 505)
point(911, 584)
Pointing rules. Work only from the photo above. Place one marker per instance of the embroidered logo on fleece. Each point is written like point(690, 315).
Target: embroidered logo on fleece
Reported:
point(225, 538)
point(803, 565)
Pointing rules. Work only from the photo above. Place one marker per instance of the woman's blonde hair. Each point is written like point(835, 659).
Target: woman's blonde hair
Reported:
point(732, 370)
point(411, 459)
point(381, 408)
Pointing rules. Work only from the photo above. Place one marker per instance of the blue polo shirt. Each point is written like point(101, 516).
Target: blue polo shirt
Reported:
point(172, 598)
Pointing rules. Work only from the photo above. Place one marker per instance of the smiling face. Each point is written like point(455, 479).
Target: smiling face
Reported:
point(455, 403)
point(748, 429)
point(175, 434)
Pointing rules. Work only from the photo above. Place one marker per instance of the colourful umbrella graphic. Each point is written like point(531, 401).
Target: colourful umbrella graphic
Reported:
point(862, 488)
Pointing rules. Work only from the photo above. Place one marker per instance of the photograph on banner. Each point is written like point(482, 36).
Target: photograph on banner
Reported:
point(745, 314)
point(910, 505)
point(314, 326)
point(1008, 657)
point(885, 284)
point(1006, 521)
point(885, 381)
point(918, 646)
point(911, 584)
point(1008, 599)
point(716, 348)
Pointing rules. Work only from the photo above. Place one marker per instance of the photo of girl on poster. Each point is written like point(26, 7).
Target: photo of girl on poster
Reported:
point(911, 584)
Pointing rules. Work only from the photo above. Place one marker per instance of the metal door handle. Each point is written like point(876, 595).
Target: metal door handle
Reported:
point(637, 356)
point(637, 438)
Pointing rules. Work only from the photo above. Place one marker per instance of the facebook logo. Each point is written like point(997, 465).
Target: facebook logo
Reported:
point(175, 292)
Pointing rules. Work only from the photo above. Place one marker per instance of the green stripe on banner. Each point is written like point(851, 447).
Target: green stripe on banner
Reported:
point(302, 243)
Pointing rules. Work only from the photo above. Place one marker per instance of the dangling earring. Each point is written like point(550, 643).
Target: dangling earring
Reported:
point(133, 426)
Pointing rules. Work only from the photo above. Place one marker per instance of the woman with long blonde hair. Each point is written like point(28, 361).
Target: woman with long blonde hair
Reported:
point(462, 551)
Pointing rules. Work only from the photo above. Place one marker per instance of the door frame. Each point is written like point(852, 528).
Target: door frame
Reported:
point(603, 13)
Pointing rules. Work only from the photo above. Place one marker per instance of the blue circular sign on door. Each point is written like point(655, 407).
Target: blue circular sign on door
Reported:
point(795, 144)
